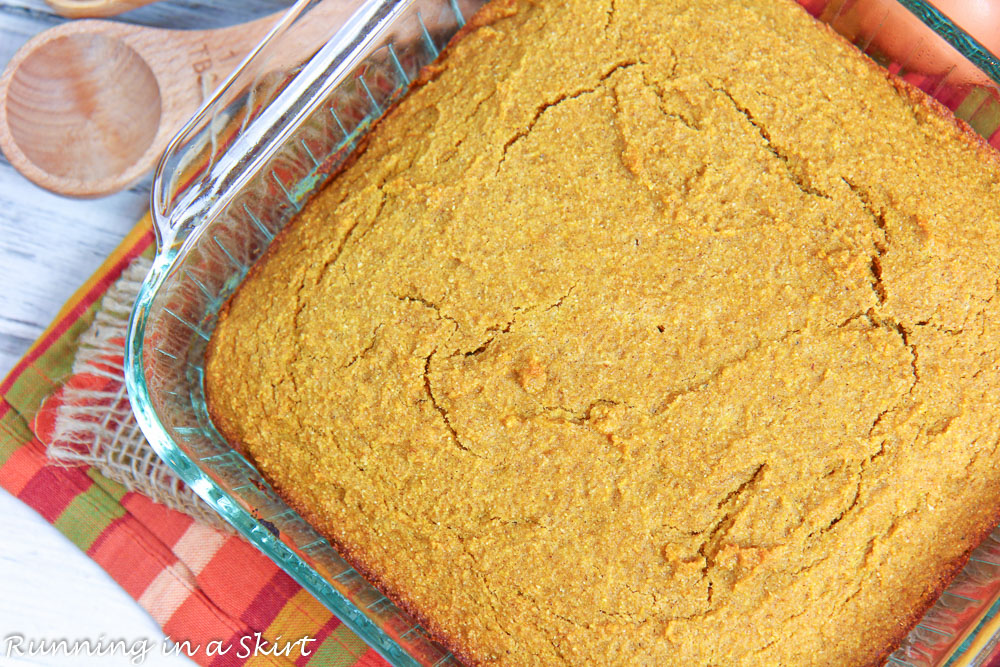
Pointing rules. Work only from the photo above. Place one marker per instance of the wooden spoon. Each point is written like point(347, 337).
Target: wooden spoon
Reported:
point(76, 9)
point(87, 107)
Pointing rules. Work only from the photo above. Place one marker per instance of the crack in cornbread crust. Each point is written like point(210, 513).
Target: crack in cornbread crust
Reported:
point(695, 577)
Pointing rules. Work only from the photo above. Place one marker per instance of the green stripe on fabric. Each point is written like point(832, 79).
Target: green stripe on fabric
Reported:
point(111, 487)
point(54, 365)
point(341, 649)
point(27, 393)
point(14, 432)
point(88, 515)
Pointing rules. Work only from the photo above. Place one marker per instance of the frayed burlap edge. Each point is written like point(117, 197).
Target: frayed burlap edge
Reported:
point(96, 427)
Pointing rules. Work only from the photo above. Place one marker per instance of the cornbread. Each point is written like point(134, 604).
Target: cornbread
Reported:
point(649, 333)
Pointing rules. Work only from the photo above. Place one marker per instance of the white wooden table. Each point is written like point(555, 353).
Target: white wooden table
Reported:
point(48, 247)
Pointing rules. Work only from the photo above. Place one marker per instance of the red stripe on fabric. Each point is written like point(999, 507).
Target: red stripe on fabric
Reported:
point(370, 659)
point(44, 422)
point(95, 292)
point(130, 555)
point(271, 599)
point(236, 575)
point(200, 621)
point(22, 465)
point(197, 621)
point(50, 490)
point(168, 525)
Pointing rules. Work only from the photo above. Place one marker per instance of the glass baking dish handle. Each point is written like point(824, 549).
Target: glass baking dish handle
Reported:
point(311, 48)
point(199, 143)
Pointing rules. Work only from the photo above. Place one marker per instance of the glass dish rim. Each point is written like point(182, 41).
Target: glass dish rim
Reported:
point(172, 239)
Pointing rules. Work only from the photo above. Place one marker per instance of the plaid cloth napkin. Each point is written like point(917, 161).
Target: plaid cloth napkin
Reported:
point(201, 585)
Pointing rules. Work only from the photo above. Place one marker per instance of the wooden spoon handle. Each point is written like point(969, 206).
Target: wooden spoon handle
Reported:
point(189, 64)
point(76, 9)
point(219, 51)
point(197, 59)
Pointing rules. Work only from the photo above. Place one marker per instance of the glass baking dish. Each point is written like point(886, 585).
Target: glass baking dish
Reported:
point(273, 133)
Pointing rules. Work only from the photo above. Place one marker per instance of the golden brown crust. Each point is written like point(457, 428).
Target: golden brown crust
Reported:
point(886, 322)
point(990, 517)
point(490, 13)
point(909, 619)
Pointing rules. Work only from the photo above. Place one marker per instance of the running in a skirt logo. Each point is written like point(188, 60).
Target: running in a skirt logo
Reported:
point(136, 651)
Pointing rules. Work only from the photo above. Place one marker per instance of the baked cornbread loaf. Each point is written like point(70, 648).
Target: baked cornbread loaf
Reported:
point(650, 333)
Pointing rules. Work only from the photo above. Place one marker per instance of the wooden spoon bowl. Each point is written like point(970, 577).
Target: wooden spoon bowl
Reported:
point(97, 114)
